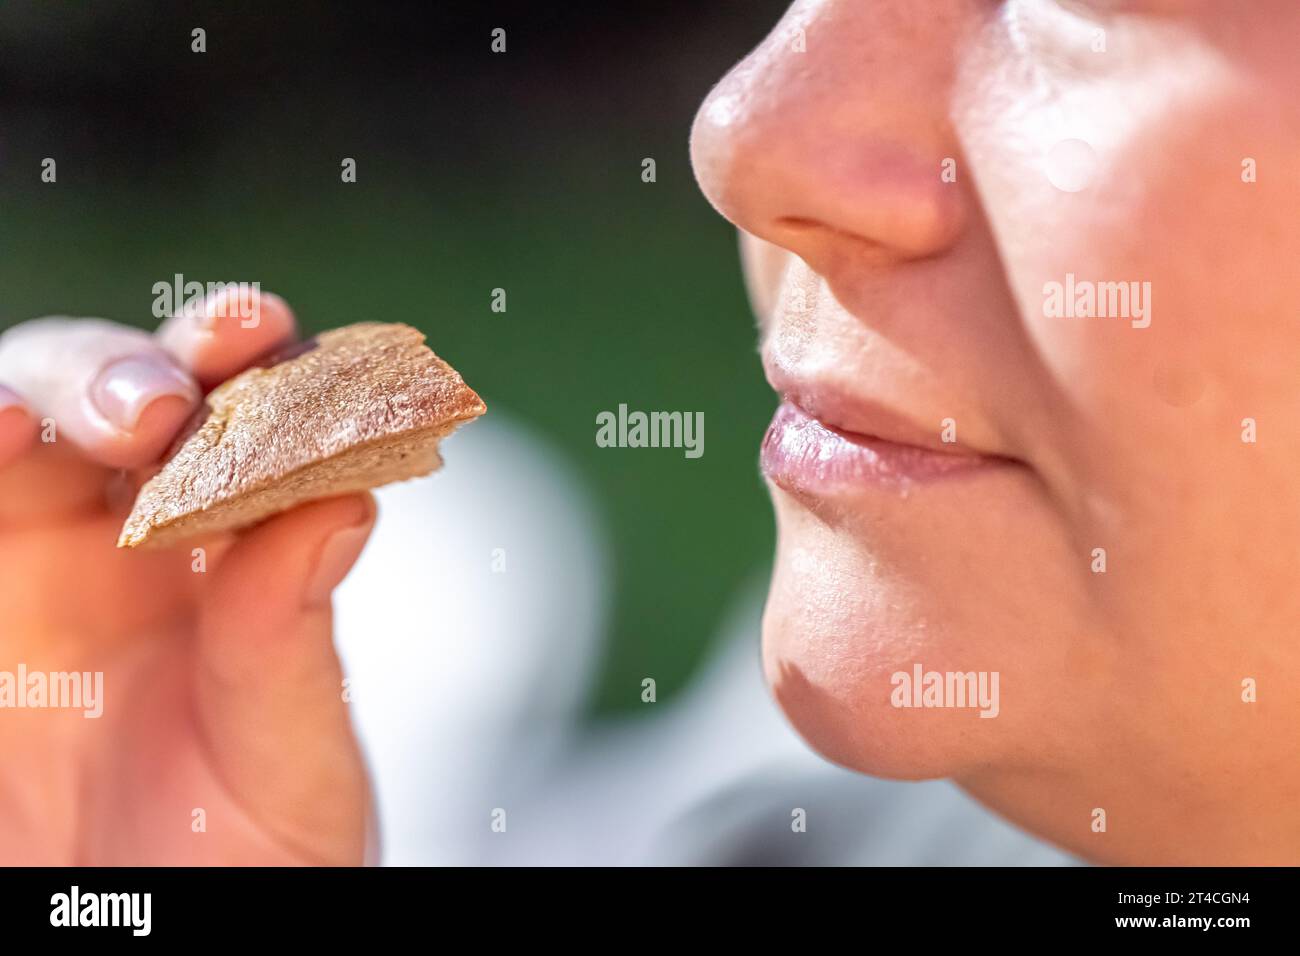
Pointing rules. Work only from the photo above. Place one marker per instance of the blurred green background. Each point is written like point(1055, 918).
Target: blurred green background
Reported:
point(475, 171)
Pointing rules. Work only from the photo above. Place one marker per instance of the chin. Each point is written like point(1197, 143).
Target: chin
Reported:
point(853, 608)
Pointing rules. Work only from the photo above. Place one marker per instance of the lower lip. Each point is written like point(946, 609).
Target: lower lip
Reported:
point(801, 454)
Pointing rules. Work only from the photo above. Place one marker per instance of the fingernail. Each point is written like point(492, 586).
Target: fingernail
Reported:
point(10, 399)
point(336, 558)
point(125, 388)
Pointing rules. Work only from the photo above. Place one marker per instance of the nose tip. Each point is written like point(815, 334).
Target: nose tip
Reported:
point(713, 148)
point(799, 149)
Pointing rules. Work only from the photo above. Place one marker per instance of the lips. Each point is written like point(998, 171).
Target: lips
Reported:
point(803, 454)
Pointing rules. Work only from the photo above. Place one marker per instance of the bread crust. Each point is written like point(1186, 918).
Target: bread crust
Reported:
point(367, 405)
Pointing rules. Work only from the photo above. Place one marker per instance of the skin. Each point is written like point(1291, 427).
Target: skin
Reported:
point(222, 690)
point(1121, 691)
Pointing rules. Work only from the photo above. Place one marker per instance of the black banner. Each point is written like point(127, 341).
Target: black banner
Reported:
point(334, 906)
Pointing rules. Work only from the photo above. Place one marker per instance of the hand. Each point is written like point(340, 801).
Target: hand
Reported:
point(224, 737)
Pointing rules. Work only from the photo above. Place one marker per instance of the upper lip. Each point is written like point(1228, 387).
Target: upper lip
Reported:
point(860, 416)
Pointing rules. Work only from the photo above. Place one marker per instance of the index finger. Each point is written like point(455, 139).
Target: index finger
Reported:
point(227, 331)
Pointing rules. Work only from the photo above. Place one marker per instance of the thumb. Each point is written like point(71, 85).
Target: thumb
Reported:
point(269, 683)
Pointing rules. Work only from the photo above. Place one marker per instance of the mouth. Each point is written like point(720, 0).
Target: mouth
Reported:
point(804, 454)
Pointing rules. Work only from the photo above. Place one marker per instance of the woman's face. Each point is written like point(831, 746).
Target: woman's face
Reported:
point(1026, 277)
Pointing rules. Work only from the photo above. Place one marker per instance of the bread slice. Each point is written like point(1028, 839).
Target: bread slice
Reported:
point(363, 406)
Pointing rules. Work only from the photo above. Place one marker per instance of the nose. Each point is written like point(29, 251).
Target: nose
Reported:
point(832, 138)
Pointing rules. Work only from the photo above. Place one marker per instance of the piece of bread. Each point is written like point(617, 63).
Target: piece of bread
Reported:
point(363, 406)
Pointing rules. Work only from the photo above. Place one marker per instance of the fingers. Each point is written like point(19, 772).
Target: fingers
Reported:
point(116, 395)
point(17, 426)
point(111, 391)
point(269, 683)
point(224, 333)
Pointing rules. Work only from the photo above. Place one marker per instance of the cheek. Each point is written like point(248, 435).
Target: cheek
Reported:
point(859, 598)
point(1109, 168)
point(1151, 460)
